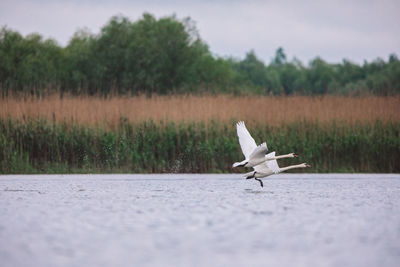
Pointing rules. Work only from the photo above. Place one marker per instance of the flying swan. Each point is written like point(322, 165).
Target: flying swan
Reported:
point(254, 155)
point(270, 167)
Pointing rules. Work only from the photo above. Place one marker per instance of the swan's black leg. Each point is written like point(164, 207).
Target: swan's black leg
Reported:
point(262, 185)
point(253, 176)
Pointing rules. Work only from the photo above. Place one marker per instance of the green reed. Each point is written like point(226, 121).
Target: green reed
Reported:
point(41, 146)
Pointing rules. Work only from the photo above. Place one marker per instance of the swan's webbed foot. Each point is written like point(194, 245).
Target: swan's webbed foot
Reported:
point(261, 183)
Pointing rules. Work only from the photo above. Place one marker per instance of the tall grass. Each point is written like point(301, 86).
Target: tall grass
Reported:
point(223, 108)
point(43, 146)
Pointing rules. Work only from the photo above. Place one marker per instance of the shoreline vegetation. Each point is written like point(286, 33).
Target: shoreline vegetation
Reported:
point(254, 110)
point(40, 146)
point(149, 96)
point(71, 135)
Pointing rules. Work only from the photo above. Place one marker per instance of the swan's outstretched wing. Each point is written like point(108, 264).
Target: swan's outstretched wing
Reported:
point(272, 164)
point(259, 152)
point(263, 169)
point(246, 142)
point(269, 167)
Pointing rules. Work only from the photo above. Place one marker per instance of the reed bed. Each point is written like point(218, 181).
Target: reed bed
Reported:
point(40, 146)
point(223, 108)
point(195, 133)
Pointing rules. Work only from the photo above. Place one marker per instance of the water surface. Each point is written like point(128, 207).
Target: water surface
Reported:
point(200, 220)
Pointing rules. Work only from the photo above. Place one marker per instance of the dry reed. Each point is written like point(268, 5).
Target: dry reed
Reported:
point(266, 110)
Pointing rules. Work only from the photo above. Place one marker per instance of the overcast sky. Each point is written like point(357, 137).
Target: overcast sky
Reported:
point(336, 29)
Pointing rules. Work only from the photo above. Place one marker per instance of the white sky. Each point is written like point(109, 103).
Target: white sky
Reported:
point(334, 30)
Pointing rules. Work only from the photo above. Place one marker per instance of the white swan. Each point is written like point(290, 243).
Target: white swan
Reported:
point(254, 155)
point(270, 167)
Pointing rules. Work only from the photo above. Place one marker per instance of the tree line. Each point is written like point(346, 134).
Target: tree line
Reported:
point(166, 56)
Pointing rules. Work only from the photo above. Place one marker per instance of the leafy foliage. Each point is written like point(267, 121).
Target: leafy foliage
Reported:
point(167, 55)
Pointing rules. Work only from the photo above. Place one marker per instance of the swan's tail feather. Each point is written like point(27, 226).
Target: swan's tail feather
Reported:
point(237, 164)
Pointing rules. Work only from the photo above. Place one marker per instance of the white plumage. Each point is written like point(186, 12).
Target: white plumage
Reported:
point(270, 165)
point(246, 142)
point(255, 156)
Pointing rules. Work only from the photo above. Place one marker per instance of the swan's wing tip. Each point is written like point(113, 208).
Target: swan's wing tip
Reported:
point(240, 123)
point(264, 144)
point(246, 142)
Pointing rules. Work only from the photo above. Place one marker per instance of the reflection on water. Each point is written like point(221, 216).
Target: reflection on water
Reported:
point(260, 191)
point(199, 220)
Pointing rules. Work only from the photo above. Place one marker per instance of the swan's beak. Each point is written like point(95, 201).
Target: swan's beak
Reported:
point(295, 155)
point(308, 165)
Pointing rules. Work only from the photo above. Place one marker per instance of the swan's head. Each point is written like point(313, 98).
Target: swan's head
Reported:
point(294, 155)
point(305, 165)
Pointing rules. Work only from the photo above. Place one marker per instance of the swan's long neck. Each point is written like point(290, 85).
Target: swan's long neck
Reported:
point(280, 157)
point(291, 167)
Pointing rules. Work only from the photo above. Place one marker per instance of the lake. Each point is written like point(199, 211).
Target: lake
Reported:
point(200, 220)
